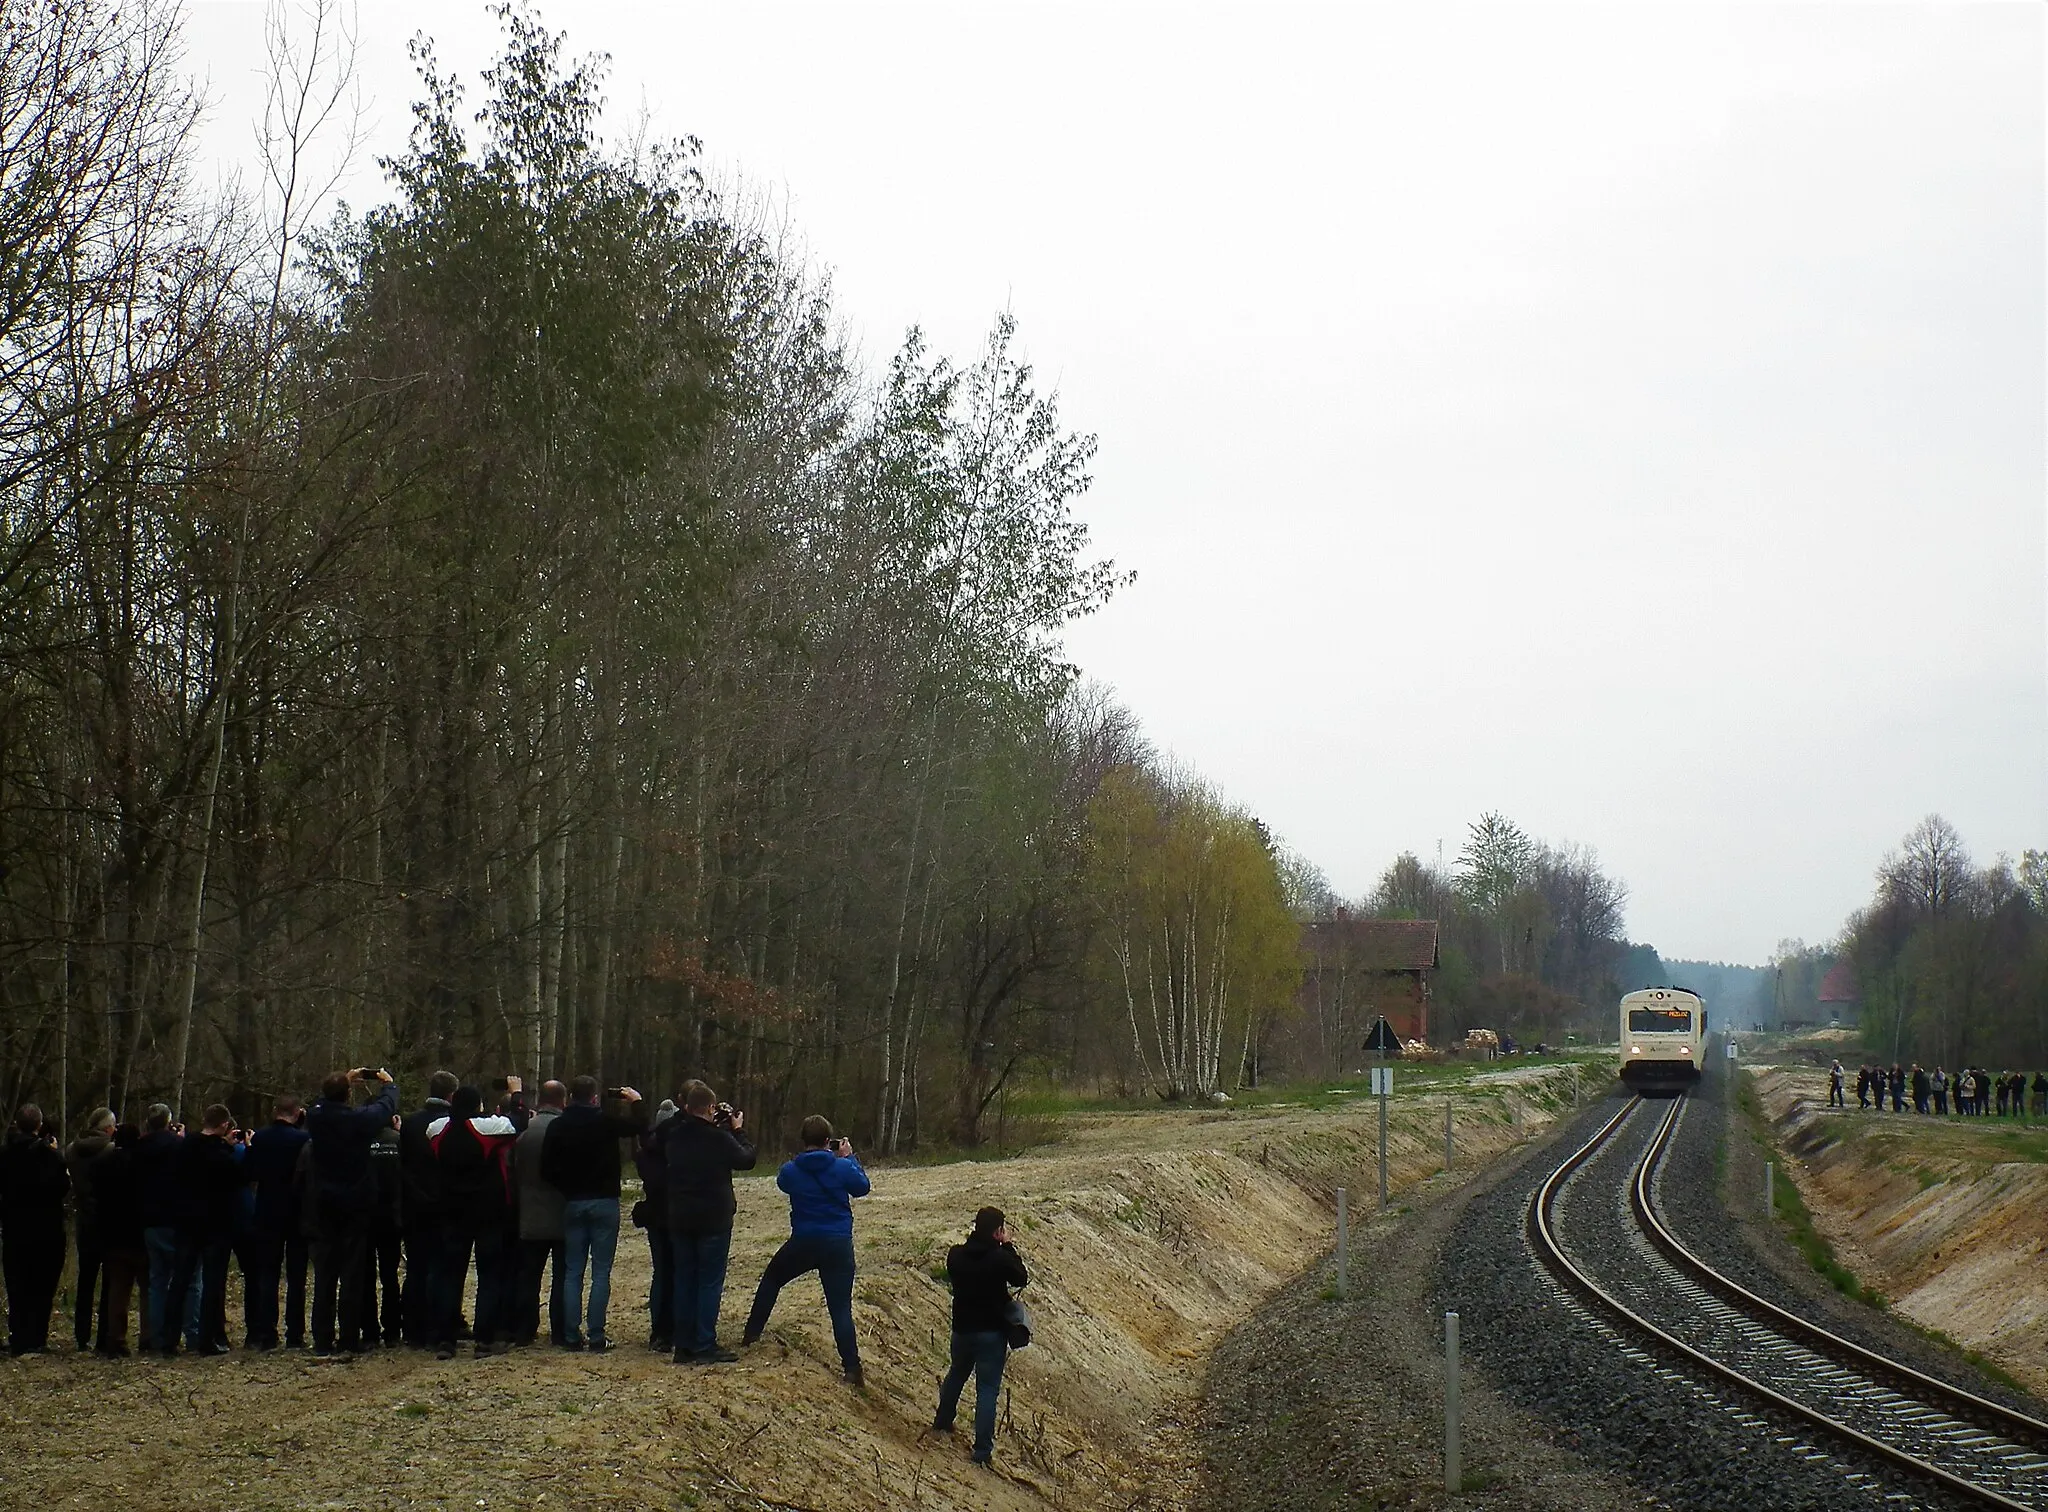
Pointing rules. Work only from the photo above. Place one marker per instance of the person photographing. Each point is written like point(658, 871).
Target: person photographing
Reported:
point(700, 1149)
point(821, 1182)
point(981, 1273)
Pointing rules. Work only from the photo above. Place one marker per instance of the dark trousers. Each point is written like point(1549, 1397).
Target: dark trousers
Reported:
point(91, 1258)
point(497, 1271)
point(380, 1264)
point(123, 1268)
point(204, 1254)
point(661, 1291)
point(337, 1282)
point(832, 1259)
point(698, 1257)
point(537, 1256)
point(983, 1355)
point(31, 1259)
point(425, 1241)
point(274, 1259)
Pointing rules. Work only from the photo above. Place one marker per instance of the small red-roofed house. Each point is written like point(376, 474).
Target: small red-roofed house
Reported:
point(1355, 970)
point(1837, 996)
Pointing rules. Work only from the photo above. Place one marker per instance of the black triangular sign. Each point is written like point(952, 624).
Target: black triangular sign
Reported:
point(1383, 1039)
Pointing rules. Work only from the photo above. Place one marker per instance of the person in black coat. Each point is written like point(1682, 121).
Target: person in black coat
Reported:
point(381, 1256)
point(81, 1159)
point(580, 1159)
point(420, 1203)
point(981, 1272)
point(474, 1154)
point(701, 1147)
point(344, 1201)
point(33, 1185)
point(117, 1209)
point(277, 1241)
point(156, 1162)
point(209, 1179)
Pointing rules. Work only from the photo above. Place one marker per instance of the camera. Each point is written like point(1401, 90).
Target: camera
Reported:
point(724, 1114)
point(614, 1092)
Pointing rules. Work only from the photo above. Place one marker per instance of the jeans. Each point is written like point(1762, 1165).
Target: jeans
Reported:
point(661, 1290)
point(203, 1257)
point(984, 1354)
point(161, 1245)
point(337, 1282)
point(832, 1259)
point(590, 1237)
point(534, 1258)
point(697, 1257)
point(274, 1258)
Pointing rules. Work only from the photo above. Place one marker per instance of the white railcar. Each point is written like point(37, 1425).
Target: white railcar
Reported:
point(1663, 1037)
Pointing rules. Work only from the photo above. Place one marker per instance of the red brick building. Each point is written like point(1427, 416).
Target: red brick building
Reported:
point(1354, 970)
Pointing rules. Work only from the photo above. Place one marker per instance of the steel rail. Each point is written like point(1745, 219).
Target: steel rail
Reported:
point(1964, 1402)
point(1543, 1236)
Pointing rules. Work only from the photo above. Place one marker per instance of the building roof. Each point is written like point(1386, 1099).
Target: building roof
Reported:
point(1839, 985)
point(1375, 944)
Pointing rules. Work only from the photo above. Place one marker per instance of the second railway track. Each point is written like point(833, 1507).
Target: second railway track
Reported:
point(1663, 1297)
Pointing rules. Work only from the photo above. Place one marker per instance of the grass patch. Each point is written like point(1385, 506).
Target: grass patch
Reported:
point(1789, 1208)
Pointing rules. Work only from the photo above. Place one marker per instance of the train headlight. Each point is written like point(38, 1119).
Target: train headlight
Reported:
point(1635, 1049)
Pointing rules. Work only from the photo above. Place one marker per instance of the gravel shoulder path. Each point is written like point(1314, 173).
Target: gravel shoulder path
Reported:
point(1314, 1403)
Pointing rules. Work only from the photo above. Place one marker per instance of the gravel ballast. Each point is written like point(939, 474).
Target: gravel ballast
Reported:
point(1316, 1403)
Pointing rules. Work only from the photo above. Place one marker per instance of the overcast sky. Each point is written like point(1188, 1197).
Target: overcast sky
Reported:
point(1629, 418)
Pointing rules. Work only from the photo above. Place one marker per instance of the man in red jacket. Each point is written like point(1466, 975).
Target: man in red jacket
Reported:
point(473, 1165)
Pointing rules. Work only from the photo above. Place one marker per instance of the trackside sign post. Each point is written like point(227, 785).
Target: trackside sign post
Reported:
point(1383, 1042)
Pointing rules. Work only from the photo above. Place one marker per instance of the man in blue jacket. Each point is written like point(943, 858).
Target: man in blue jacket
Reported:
point(277, 1243)
point(821, 1182)
point(344, 1202)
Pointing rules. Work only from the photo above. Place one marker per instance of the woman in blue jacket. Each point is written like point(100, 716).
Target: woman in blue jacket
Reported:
point(822, 1182)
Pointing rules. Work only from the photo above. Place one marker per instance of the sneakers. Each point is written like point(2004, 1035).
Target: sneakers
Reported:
point(445, 1352)
point(599, 1346)
point(854, 1377)
point(717, 1354)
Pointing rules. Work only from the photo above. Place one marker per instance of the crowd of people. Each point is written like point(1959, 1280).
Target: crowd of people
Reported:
point(389, 1215)
point(1970, 1092)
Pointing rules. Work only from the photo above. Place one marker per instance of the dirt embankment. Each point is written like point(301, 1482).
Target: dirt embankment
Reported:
point(1947, 1217)
point(1149, 1236)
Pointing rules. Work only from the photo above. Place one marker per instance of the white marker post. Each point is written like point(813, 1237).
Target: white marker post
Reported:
point(1343, 1244)
point(1383, 1088)
point(1447, 1136)
point(1453, 1472)
point(1770, 1196)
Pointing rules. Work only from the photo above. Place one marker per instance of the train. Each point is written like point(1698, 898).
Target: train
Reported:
point(1663, 1039)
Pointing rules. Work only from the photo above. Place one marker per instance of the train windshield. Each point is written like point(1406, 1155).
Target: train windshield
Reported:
point(1660, 1021)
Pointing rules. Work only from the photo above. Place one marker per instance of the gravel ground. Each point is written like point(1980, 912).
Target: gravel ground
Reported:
point(1314, 1403)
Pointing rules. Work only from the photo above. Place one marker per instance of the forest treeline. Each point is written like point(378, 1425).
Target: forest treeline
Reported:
point(1949, 959)
point(508, 629)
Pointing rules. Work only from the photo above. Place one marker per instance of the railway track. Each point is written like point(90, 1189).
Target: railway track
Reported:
point(1668, 1299)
